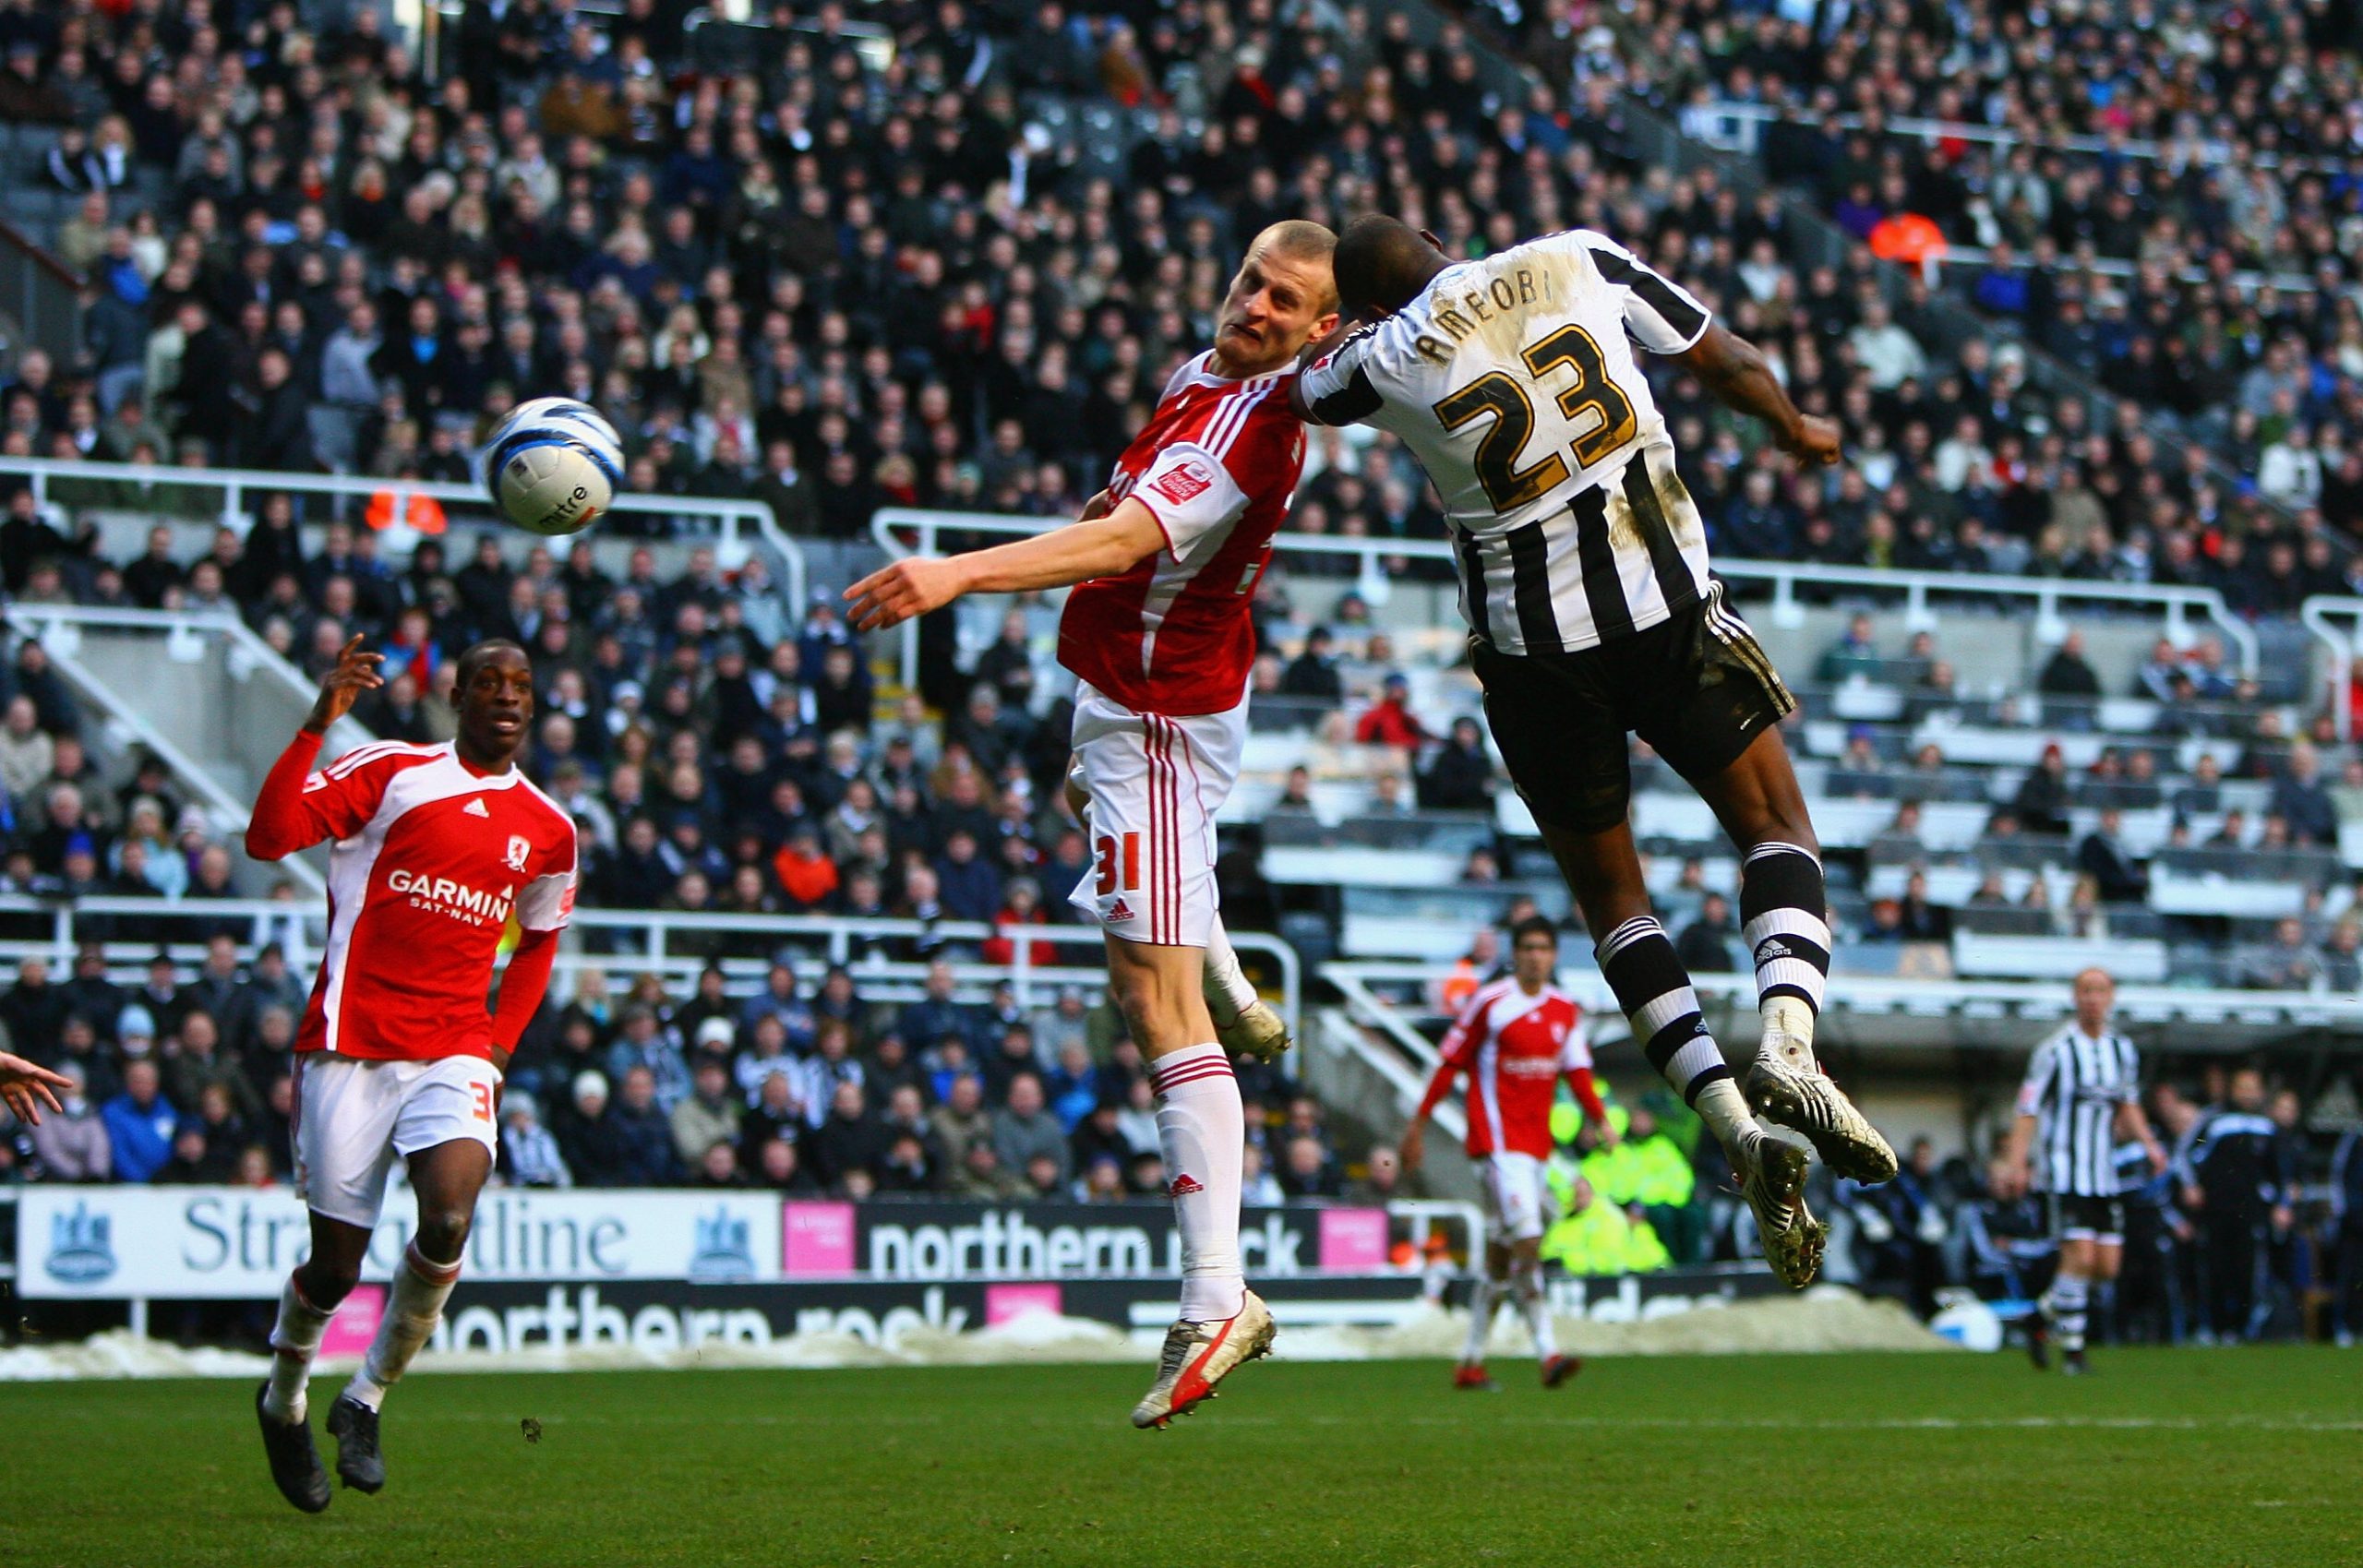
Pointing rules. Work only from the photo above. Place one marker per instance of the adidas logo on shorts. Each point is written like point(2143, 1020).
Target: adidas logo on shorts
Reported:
point(1119, 910)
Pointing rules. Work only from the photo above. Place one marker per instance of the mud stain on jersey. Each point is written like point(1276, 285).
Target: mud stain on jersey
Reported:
point(1681, 511)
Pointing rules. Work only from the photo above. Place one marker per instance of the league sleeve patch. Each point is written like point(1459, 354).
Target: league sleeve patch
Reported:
point(1184, 482)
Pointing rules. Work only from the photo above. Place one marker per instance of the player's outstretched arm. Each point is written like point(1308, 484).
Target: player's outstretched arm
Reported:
point(1096, 547)
point(1729, 366)
point(285, 819)
point(25, 1088)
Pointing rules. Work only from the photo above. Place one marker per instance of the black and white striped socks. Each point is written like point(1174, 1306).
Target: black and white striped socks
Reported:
point(2065, 1303)
point(1654, 989)
point(1783, 911)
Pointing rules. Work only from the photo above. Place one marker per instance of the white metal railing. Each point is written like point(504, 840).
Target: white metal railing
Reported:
point(838, 935)
point(1876, 994)
point(739, 523)
point(2337, 624)
point(59, 627)
point(1405, 1069)
point(1738, 134)
point(2046, 594)
point(230, 814)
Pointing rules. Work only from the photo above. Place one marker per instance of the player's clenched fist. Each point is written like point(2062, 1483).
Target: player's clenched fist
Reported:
point(1814, 442)
point(910, 587)
point(355, 672)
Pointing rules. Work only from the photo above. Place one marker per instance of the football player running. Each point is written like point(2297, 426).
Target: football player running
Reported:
point(433, 849)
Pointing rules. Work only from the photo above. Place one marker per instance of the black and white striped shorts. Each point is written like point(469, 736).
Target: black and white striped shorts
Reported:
point(1697, 686)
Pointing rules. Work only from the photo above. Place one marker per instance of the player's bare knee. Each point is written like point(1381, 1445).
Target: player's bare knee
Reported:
point(443, 1234)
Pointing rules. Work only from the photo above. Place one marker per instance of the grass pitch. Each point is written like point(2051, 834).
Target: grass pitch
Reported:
point(2166, 1457)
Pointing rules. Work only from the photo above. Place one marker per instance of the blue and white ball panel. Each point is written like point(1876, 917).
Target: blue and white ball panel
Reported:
point(553, 465)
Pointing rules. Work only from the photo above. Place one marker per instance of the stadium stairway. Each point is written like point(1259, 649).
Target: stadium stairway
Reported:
point(204, 694)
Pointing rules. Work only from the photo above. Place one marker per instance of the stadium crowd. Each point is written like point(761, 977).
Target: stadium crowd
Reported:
point(848, 274)
point(2163, 198)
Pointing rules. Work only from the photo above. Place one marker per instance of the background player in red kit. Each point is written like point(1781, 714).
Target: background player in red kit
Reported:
point(1158, 630)
point(434, 849)
point(1515, 1039)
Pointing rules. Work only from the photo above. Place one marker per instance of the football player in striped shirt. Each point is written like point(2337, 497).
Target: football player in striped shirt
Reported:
point(1164, 566)
point(2082, 1092)
point(1583, 577)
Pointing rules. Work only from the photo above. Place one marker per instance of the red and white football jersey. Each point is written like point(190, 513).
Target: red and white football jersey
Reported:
point(1217, 464)
point(428, 860)
point(1514, 1047)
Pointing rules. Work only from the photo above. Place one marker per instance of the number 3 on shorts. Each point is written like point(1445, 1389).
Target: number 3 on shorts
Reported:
point(483, 1093)
point(1132, 870)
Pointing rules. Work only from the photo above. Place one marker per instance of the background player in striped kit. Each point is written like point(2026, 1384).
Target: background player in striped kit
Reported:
point(2083, 1091)
point(1515, 1038)
point(1583, 576)
point(1164, 566)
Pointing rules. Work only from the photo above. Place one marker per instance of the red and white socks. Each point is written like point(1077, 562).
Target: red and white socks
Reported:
point(295, 1340)
point(1203, 1131)
point(413, 1309)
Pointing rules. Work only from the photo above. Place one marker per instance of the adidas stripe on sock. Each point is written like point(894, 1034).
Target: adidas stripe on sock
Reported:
point(1653, 989)
point(1783, 907)
point(1202, 1130)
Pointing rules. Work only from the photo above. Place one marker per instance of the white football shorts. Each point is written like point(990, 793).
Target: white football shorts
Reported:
point(353, 1117)
point(1518, 1197)
point(1155, 784)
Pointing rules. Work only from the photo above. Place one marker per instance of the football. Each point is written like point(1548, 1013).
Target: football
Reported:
point(553, 466)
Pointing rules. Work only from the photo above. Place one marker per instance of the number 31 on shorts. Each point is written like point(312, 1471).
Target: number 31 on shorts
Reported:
point(1130, 881)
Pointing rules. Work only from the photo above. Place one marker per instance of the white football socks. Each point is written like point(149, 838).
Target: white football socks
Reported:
point(1724, 1110)
point(413, 1309)
point(295, 1340)
point(1227, 989)
point(1480, 1320)
point(1203, 1131)
point(1535, 1303)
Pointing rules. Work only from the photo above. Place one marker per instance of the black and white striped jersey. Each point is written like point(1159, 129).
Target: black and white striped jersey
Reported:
point(2073, 1087)
point(1513, 381)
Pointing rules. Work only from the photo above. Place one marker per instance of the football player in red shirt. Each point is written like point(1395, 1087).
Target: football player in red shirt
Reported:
point(434, 848)
point(1515, 1039)
point(1164, 564)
